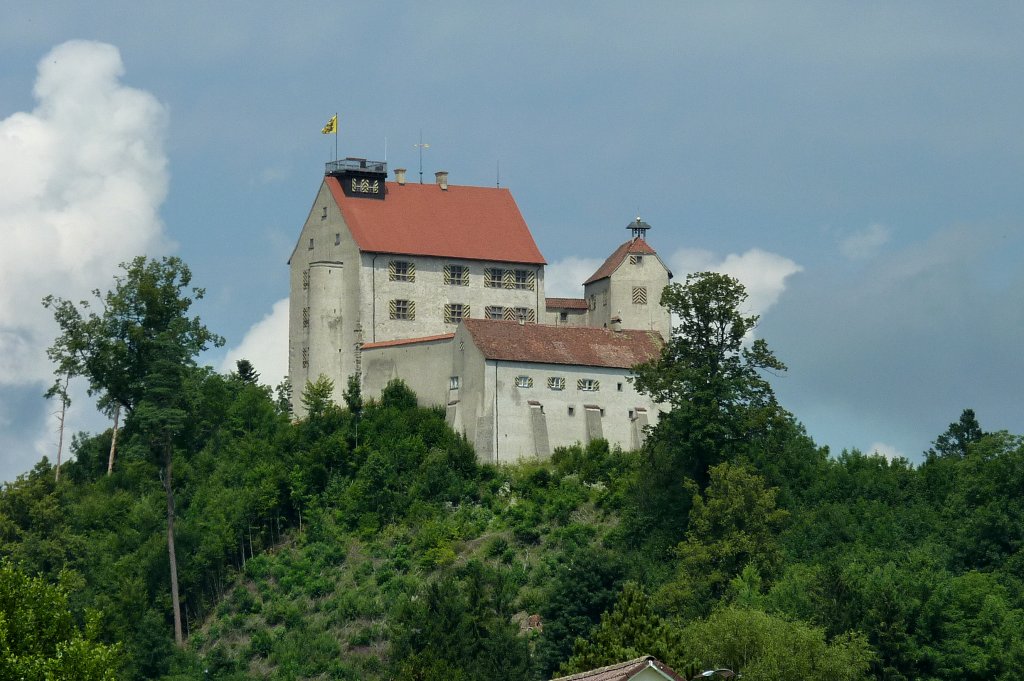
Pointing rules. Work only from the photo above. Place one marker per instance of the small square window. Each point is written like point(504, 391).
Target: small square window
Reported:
point(524, 314)
point(401, 270)
point(590, 385)
point(524, 382)
point(494, 312)
point(563, 316)
point(556, 383)
point(402, 309)
point(636, 260)
point(453, 383)
point(493, 277)
point(456, 275)
point(455, 312)
point(639, 295)
point(618, 386)
point(524, 279)
point(572, 410)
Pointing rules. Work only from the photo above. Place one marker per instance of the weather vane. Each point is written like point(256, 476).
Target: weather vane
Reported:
point(421, 146)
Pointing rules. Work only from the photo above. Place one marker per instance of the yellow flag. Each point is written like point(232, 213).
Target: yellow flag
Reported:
point(332, 125)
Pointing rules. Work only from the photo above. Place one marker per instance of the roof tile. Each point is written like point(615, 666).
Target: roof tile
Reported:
point(544, 344)
point(566, 303)
point(473, 223)
point(635, 246)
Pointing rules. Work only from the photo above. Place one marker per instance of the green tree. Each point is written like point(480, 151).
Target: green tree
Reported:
point(763, 648)
point(39, 638)
point(247, 372)
point(136, 352)
point(630, 630)
point(959, 436)
point(734, 524)
point(710, 374)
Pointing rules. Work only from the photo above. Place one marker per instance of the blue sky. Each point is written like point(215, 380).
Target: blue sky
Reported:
point(856, 164)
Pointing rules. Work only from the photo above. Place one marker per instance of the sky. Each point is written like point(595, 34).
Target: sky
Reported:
point(857, 165)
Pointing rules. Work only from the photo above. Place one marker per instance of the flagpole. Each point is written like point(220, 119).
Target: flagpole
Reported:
point(335, 136)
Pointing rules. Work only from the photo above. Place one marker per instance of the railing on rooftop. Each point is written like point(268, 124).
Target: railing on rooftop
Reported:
point(333, 167)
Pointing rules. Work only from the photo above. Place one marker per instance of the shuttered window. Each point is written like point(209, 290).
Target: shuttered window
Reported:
point(455, 312)
point(402, 309)
point(456, 275)
point(401, 270)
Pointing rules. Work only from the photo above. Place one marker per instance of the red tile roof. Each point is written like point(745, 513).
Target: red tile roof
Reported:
point(623, 671)
point(474, 223)
point(565, 303)
point(543, 344)
point(407, 341)
point(635, 246)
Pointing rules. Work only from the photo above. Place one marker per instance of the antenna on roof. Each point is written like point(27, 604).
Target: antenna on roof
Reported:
point(421, 146)
point(498, 170)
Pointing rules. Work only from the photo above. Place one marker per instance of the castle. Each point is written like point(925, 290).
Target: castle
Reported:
point(443, 286)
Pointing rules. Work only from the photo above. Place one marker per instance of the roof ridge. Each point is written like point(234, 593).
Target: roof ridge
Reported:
point(607, 668)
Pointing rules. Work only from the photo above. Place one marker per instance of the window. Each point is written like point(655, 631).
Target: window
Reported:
point(524, 279)
point(556, 383)
point(305, 317)
point(494, 312)
point(402, 309)
point(572, 410)
point(453, 383)
point(524, 382)
point(337, 238)
point(305, 278)
point(521, 314)
point(455, 312)
point(590, 385)
point(636, 260)
point(639, 295)
point(563, 316)
point(323, 216)
point(311, 243)
point(305, 358)
point(618, 386)
point(401, 270)
point(456, 275)
point(493, 277)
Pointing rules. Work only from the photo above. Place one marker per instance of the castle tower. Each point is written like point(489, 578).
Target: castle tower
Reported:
point(625, 291)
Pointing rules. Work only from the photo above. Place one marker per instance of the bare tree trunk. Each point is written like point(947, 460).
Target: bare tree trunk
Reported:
point(113, 441)
point(63, 395)
point(175, 601)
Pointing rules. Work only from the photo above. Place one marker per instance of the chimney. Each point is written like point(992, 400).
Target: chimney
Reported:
point(616, 324)
point(400, 176)
point(442, 179)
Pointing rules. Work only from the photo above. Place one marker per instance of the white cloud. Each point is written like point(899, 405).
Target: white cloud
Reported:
point(763, 274)
point(890, 452)
point(564, 279)
point(265, 345)
point(864, 243)
point(81, 183)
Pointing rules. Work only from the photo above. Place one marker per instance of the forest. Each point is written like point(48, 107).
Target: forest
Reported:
point(221, 539)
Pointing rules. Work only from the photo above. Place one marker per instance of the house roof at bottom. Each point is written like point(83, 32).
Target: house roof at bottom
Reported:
point(472, 223)
point(543, 344)
point(623, 671)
